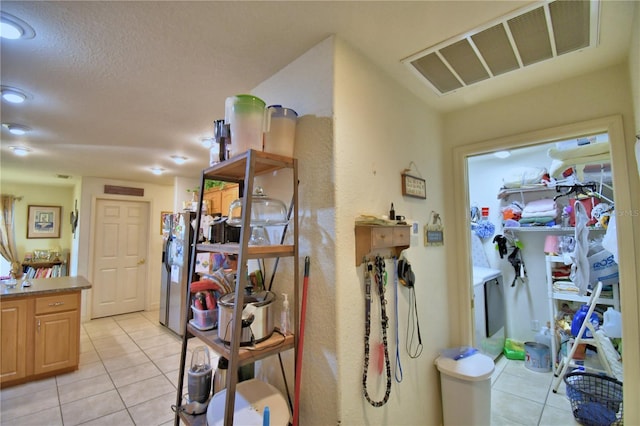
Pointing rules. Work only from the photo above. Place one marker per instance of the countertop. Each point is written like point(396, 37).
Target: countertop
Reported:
point(40, 286)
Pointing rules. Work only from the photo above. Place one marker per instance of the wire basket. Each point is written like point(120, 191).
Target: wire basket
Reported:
point(596, 400)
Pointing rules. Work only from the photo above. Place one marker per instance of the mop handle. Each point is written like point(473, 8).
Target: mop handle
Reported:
point(296, 399)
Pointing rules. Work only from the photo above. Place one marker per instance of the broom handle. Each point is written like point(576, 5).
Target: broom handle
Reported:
point(296, 400)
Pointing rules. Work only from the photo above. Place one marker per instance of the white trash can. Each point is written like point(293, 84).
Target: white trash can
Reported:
point(466, 389)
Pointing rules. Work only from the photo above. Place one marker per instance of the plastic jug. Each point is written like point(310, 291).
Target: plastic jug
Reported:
point(612, 323)
point(281, 134)
point(579, 317)
point(544, 336)
point(245, 115)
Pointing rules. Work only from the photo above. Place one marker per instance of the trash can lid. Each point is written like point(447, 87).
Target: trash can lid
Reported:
point(472, 368)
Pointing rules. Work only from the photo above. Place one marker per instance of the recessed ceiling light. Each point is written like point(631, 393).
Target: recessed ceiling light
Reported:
point(13, 95)
point(206, 142)
point(13, 28)
point(16, 129)
point(178, 159)
point(20, 150)
point(502, 154)
point(157, 170)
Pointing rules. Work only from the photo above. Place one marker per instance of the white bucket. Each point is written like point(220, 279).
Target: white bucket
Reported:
point(537, 357)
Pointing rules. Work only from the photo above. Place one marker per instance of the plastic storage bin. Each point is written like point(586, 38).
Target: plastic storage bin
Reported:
point(466, 389)
point(204, 319)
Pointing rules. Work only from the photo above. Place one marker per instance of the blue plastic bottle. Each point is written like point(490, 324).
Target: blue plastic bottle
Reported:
point(579, 317)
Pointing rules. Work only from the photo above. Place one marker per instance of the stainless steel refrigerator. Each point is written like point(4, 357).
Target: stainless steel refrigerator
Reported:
point(176, 259)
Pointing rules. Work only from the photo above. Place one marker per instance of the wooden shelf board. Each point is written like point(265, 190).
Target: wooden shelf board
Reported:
point(233, 170)
point(254, 252)
point(43, 264)
point(199, 420)
point(247, 354)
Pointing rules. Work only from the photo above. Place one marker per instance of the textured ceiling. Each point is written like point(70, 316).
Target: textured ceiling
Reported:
point(117, 87)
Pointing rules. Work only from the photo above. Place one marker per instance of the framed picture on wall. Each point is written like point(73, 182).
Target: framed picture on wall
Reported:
point(43, 222)
point(165, 227)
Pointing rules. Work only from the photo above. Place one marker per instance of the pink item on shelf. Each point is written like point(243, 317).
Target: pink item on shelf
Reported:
point(552, 245)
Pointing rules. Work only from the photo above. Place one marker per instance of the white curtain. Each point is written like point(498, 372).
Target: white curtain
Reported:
point(8, 248)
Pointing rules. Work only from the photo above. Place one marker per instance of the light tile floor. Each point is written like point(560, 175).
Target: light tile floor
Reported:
point(520, 396)
point(128, 375)
point(129, 371)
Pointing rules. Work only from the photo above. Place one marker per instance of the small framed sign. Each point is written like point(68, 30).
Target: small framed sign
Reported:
point(43, 222)
point(434, 231)
point(414, 186)
point(433, 237)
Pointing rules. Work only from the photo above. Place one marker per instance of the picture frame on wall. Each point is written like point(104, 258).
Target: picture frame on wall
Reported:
point(43, 221)
point(164, 223)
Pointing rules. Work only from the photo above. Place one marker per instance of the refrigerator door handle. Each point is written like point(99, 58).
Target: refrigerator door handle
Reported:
point(165, 254)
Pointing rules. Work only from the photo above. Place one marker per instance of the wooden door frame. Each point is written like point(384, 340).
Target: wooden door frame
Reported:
point(92, 233)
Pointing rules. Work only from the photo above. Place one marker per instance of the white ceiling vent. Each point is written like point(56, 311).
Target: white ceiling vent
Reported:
point(537, 33)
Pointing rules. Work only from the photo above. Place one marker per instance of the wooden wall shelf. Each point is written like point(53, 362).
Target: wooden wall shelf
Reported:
point(381, 239)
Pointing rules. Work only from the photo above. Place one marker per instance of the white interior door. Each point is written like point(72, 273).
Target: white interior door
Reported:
point(120, 250)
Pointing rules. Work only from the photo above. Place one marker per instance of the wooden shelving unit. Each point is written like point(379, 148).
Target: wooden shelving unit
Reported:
point(47, 264)
point(242, 170)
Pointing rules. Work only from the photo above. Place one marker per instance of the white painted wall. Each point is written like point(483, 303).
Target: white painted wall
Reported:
point(380, 129)
point(306, 85)
point(351, 151)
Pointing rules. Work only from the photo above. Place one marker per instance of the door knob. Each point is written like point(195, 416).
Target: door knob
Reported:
point(141, 262)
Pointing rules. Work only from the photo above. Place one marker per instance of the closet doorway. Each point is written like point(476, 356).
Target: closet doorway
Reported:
point(612, 127)
point(520, 198)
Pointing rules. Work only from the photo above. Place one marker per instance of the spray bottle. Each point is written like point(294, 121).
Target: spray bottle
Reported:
point(285, 316)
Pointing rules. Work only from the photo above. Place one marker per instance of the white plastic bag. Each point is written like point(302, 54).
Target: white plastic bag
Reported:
point(610, 240)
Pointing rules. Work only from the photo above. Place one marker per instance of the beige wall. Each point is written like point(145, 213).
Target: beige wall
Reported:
point(306, 86)
point(380, 130)
point(42, 195)
point(634, 68)
point(634, 72)
point(599, 94)
point(357, 132)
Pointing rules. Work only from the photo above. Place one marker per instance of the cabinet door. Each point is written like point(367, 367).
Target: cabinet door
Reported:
point(13, 329)
point(214, 196)
point(229, 195)
point(56, 341)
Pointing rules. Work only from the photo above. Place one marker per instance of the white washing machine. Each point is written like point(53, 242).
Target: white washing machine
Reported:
point(489, 310)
